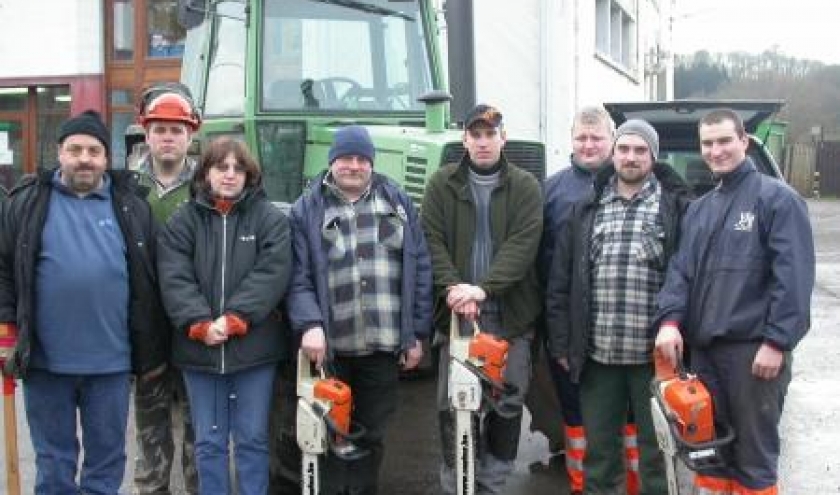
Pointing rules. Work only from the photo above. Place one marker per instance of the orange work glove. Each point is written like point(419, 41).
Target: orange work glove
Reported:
point(198, 331)
point(235, 325)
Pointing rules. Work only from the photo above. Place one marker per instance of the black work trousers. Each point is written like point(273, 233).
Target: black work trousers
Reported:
point(373, 381)
point(751, 405)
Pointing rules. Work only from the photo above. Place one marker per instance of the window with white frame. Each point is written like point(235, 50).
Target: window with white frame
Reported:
point(615, 31)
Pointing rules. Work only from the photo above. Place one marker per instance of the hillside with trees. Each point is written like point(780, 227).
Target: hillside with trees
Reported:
point(810, 89)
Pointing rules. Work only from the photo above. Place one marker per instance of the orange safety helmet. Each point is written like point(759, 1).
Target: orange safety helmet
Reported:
point(167, 104)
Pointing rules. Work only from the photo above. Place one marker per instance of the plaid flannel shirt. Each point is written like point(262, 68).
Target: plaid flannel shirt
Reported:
point(364, 241)
point(627, 266)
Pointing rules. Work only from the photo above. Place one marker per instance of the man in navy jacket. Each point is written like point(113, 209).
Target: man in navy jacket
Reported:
point(738, 292)
point(361, 293)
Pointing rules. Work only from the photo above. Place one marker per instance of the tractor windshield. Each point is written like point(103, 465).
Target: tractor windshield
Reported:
point(343, 55)
point(225, 63)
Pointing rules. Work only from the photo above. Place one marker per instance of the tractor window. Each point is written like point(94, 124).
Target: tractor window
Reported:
point(330, 55)
point(226, 75)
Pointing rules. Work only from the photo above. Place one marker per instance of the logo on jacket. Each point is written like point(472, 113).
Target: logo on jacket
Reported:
point(248, 238)
point(745, 224)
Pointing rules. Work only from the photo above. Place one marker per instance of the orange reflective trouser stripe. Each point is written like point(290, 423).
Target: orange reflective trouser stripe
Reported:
point(575, 450)
point(710, 485)
point(739, 489)
point(631, 455)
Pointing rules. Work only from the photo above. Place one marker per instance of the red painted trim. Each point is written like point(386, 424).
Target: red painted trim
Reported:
point(86, 91)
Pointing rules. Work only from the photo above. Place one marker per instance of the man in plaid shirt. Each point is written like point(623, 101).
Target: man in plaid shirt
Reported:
point(361, 292)
point(608, 266)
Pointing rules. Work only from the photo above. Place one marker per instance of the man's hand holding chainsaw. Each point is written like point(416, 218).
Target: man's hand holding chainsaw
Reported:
point(465, 299)
point(669, 342)
point(314, 345)
point(766, 364)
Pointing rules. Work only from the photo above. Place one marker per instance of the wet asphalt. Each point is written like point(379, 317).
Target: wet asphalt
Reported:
point(810, 435)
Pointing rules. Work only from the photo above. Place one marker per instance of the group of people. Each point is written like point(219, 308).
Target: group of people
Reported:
point(182, 278)
point(636, 267)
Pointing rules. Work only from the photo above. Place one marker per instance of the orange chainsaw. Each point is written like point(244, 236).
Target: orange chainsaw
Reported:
point(684, 421)
point(476, 367)
point(323, 423)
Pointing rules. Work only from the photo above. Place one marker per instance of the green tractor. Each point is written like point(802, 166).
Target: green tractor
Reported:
point(284, 75)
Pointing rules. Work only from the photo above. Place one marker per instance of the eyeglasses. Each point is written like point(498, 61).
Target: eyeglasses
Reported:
point(76, 150)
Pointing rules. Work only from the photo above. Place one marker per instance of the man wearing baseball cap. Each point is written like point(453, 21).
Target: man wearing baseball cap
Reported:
point(361, 292)
point(608, 265)
point(483, 221)
point(78, 286)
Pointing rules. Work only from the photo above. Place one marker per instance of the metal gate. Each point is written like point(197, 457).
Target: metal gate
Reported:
point(828, 166)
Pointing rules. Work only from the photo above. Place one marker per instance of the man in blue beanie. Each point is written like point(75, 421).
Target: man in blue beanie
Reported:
point(361, 293)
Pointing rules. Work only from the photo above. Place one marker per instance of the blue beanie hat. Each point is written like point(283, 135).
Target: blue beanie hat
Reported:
point(88, 122)
point(352, 140)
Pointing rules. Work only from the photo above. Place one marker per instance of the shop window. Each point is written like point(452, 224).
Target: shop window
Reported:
point(119, 123)
point(11, 152)
point(123, 30)
point(165, 36)
point(53, 105)
point(122, 97)
point(12, 99)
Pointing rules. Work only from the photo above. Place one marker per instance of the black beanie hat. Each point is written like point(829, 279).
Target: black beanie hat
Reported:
point(352, 140)
point(88, 122)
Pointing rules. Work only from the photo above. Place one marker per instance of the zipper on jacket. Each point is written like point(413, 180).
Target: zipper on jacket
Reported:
point(224, 270)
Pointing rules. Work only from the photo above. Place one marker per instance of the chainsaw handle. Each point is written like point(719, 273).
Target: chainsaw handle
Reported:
point(663, 368)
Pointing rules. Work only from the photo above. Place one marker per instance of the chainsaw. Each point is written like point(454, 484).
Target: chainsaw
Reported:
point(476, 367)
point(683, 418)
point(323, 423)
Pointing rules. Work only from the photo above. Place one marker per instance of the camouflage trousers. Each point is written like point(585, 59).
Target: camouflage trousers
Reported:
point(160, 408)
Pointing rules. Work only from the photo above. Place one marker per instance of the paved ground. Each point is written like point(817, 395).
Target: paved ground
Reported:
point(810, 433)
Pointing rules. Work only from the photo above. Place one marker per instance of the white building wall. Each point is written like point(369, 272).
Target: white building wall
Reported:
point(507, 62)
point(43, 38)
point(537, 61)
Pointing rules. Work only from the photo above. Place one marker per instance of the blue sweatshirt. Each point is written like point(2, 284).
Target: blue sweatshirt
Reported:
point(82, 289)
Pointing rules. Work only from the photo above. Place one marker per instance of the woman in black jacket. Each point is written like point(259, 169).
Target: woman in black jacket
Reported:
point(224, 265)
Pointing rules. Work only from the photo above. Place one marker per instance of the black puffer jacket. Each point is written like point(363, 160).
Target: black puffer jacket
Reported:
point(211, 264)
point(568, 296)
point(21, 227)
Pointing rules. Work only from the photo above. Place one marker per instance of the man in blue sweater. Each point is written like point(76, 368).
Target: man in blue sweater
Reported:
point(77, 284)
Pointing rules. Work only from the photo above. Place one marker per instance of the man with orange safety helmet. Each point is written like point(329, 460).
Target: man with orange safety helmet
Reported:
point(169, 118)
